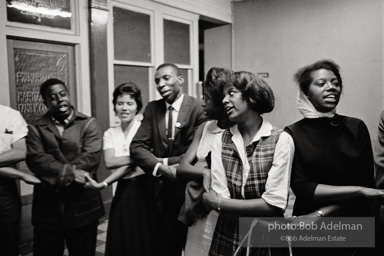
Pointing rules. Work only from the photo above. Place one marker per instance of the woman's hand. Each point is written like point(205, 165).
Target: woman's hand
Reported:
point(92, 184)
point(30, 179)
point(210, 200)
point(372, 192)
point(206, 179)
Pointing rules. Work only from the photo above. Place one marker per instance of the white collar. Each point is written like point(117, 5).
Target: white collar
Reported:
point(177, 104)
point(213, 127)
point(264, 131)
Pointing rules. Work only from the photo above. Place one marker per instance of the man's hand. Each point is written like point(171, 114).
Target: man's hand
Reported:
point(80, 175)
point(169, 172)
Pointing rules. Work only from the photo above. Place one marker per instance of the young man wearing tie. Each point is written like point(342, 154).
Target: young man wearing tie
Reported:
point(164, 136)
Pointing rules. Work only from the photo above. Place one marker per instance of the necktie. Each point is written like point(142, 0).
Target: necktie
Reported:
point(170, 129)
point(170, 122)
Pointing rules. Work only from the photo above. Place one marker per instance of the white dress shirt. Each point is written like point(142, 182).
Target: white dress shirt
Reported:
point(175, 115)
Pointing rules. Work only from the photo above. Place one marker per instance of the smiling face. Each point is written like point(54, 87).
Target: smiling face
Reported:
point(234, 104)
point(324, 90)
point(126, 108)
point(168, 83)
point(57, 101)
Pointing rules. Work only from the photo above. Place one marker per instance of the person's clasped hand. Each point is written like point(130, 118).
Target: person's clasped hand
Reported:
point(210, 200)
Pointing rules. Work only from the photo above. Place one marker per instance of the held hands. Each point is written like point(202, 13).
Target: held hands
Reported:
point(210, 200)
point(79, 175)
point(92, 184)
point(372, 192)
point(169, 172)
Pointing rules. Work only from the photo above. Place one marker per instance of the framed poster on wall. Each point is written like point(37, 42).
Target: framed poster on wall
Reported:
point(32, 63)
point(51, 13)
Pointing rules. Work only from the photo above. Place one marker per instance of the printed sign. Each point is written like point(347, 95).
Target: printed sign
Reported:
point(52, 13)
point(32, 68)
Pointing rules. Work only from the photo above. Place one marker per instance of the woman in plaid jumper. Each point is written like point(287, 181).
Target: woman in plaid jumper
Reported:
point(255, 158)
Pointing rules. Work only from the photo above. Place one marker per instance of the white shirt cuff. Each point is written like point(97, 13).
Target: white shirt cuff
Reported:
point(154, 173)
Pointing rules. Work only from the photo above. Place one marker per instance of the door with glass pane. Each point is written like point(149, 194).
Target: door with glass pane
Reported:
point(146, 35)
point(30, 64)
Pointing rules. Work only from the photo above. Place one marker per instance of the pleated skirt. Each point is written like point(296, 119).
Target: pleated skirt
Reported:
point(131, 221)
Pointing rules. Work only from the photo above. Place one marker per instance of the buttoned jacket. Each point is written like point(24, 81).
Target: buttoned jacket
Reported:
point(60, 201)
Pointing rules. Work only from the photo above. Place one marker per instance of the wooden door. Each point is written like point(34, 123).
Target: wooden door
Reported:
point(30, 64)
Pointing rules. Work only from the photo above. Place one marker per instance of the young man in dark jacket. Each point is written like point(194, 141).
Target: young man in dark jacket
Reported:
point(63, 147)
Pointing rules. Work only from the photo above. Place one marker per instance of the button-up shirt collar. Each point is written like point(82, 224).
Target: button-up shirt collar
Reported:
point(177, 104)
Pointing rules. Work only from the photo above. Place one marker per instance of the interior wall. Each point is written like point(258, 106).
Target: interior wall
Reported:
point(281, 36)
point(218, 45)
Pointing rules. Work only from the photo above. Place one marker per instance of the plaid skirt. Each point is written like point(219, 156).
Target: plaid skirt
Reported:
point(226, 240)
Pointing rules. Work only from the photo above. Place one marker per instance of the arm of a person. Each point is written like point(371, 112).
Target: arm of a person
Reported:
point(17, 128)
point(121, 165)
point(140, 148)
point(92, 143)
point(116, 175)
point(45, 165)
point(301, 184)
point(200, 114)
point(16, 154)
point(13, 173)
point(278, 182)
point(112, 162)
point(274, 200)
point(186, 167)
point(364, 178)
point(310, 191)
point(257, 207)
point(172, 160)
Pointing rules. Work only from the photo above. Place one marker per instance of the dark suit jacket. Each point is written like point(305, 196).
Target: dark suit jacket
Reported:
point(149, 143)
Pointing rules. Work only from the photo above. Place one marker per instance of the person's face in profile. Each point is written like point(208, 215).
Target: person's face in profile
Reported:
point(57, 101)
point(208, 105)
point(168, 83)
point(324, 90)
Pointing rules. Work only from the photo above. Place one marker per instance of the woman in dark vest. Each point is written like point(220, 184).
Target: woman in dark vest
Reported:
point(255, 158)
point(332, 172)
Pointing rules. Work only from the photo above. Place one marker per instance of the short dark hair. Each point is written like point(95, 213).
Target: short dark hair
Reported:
point(303, 76)
point(176, 68)
point(215, 80)
point(131, 89)
point(48, 83)
point(255, 91)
